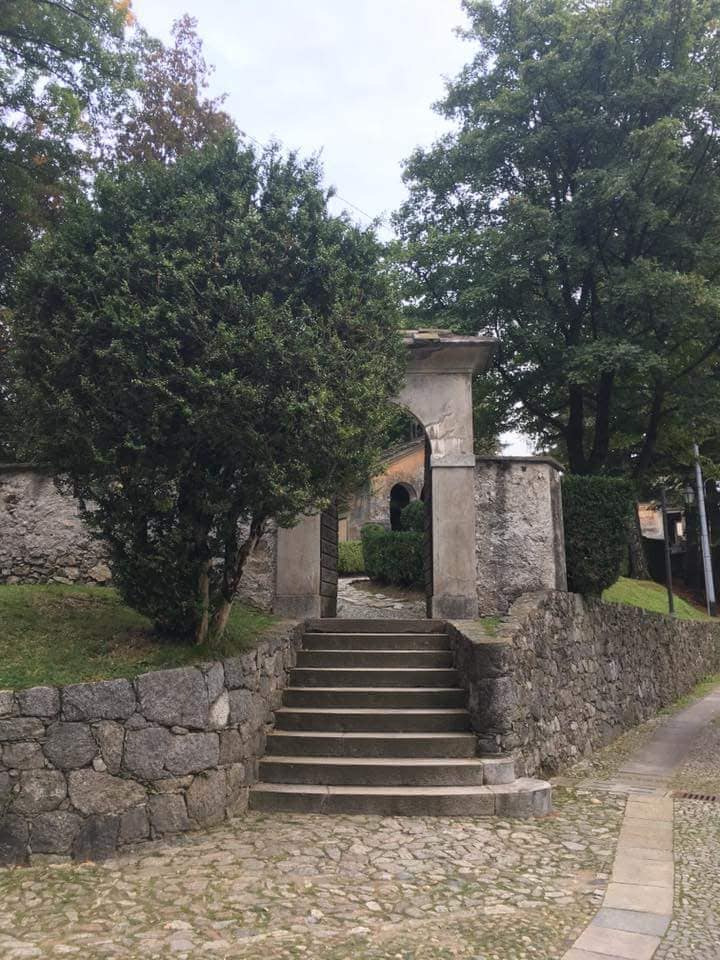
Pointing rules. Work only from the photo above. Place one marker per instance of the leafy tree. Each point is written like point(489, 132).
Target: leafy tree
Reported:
point(575, 212)
point(205, 348)
point(65, 66)
point(170, 116)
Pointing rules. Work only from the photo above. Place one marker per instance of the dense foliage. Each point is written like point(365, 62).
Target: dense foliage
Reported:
point(350, 557)
point(412, 517)
point(202, 348)
point(574, 211)
point(595, 515)
point(394, 557)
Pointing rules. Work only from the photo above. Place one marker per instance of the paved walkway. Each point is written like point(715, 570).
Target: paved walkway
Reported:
point(637, 908)
point(326, 888)
point(359, 599)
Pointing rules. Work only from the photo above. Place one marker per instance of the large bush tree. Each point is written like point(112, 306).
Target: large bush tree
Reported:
point(205, 348)
point(575, 211)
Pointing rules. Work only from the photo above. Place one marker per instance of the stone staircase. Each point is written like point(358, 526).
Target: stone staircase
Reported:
point(374, 721)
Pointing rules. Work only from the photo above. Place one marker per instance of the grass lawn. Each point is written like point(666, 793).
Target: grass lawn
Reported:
point(58, 634)
point(650, 596)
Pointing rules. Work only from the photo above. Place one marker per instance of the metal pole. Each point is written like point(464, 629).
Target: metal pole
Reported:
point(704, 539)
point(668, 562)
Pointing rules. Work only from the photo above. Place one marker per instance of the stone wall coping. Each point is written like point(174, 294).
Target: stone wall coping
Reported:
point(551, 461)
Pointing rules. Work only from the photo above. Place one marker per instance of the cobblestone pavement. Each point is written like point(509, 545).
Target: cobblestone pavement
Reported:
point(695, 929)
point(358, 599)
point(694, 932)
point(340, 888)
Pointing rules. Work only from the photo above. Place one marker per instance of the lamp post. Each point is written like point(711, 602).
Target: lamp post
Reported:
point(668, 561)
point(704, 538)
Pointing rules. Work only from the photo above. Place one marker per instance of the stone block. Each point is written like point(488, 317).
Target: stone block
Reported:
point(206, 798)
point(70, 745)
point(104, 700)
point(21, 728)
point(146, 751)
point(220, 711)
point(192, 753)
point(39, 702)
point(174, 697)
point(40, 790)
point(54, 832)
point(235, 781)
point(242, 671)
point(6, 785)
point(7, 703)
point(248, 708)
point(13, 840)
point(23, 755)
point(172, 784)
point(231, 747)
point(215, 680)
point(97, 838)
point(94, 793)
point(134, 825)
point(110, 736)
point(168, 813)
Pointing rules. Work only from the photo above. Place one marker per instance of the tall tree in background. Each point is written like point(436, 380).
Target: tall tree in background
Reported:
point(65, 68)
point(575, 212)
point(170, 115)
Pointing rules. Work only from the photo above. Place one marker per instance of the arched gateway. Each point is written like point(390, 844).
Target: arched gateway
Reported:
point(438, 392)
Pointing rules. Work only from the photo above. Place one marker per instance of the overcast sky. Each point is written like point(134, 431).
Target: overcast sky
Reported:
point(353, 79)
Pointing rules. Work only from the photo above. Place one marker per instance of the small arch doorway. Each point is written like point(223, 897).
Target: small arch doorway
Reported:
point(400, 497)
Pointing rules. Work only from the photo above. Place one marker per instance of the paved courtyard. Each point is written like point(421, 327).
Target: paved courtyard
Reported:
point(340, 888)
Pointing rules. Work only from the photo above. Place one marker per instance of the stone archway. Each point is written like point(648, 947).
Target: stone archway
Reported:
point(438, 392)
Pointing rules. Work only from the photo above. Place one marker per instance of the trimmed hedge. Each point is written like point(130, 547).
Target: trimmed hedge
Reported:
point(350, 557)
point(412, 517)
point(393, 557)
point(595, 514)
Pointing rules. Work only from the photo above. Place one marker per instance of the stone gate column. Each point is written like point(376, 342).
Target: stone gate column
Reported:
point(438, 391)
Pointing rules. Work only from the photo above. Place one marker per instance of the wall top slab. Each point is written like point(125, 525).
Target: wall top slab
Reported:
point(441, 351)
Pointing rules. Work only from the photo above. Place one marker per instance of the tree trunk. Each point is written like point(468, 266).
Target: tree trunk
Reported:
point(201, 634)
point(235, 560)
point(639, 569)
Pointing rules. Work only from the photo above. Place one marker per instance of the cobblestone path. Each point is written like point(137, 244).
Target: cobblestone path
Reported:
point(340, 888)
point(358, 599)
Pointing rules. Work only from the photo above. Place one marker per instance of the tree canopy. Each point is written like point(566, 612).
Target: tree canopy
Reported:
point(203, 348)
point(574, 210)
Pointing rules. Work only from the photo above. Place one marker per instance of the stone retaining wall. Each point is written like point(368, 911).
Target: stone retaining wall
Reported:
point(563, 676)
point(90, 767)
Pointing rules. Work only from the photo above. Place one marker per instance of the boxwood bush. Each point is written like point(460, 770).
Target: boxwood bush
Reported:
point(350, 557)
point(595, 514)
point(412, 517)
point(393, 556)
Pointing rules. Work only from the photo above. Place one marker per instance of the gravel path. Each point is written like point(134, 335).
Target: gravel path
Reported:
point(359, 600)
point(340, 888)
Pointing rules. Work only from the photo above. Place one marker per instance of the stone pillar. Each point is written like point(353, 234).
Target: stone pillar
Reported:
point(520, 537)
point(306, 580)
point(438, 391)
point(299, 570)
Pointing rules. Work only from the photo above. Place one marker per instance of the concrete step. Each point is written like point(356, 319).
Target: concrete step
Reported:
point(377, 659)
point(364, 772)
point(376, 641)
point(522, 798)
point(335, 625)
point(369, 720)
point(294, 743)
point(368, 677)
point(375, 698)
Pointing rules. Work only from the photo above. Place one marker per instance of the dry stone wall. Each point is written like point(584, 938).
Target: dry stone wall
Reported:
point(42, 538)
point(88, 768)
point(563, 676)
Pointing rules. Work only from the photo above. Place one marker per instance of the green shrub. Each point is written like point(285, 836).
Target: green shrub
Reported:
point(595, 513)
point(412, 517)
point(393, 556)
point(370, 537)
point(350, 557)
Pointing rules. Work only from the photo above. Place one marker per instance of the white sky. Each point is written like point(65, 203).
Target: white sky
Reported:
point(353, 79)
